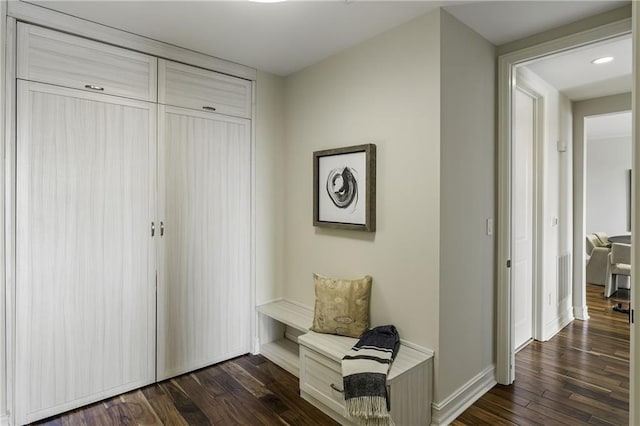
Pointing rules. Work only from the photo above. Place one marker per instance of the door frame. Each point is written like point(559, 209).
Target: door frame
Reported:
point(581, 111)
point(507, 63)
point(634, 382)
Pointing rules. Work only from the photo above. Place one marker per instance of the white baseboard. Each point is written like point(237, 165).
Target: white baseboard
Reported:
point(554, 326)
point(445, 412)
point(581, 312)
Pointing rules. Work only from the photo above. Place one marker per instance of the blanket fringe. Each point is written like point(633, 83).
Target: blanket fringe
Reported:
point(369, 411)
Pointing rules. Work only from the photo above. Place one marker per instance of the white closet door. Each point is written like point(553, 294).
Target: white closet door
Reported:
point(204, 299)
point(85, 283)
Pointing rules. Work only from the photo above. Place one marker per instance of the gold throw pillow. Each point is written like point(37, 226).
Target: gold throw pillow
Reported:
point(342, 306)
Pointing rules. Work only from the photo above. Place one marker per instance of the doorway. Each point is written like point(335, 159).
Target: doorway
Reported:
point(607, 199)
point(508, 64)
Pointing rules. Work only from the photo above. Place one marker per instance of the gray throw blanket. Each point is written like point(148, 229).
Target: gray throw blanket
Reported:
point(364, 372)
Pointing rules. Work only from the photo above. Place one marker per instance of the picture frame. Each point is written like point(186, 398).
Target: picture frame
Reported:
point(344, 188)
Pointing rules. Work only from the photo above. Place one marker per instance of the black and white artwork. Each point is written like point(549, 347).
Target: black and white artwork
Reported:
point(344, 188)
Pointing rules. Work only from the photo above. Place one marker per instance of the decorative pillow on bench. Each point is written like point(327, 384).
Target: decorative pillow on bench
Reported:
point(342, 306)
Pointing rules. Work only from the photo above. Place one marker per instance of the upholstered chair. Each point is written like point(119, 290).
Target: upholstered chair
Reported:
point(598, 263)
point(603, 238)
point(619, 264)
point(591, 243)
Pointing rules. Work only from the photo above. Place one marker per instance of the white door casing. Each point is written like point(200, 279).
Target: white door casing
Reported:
point(85, 263)
point(507, 63)
point(634, 356)
point(522, 217)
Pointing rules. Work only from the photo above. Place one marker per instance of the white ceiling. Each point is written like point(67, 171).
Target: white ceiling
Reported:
point(608, 126)
point(277, 37)
point(505, 21)
point(286, 37)
point(573, 74)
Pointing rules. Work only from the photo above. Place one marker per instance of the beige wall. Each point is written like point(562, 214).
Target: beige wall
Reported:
point(269, 175)
point(385, 91)
point(410, 92)
point(467, 187)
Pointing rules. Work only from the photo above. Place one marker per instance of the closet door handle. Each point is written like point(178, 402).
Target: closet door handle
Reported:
point(161, 228)
point(153, 229)
point(94, 87)
point(208, 108)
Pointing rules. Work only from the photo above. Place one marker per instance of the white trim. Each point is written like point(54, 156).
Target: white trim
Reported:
point(61, 22)
point(9, 200)
point(505, 355)
point(3, 318)
point(634, 356)
point(255, 327)
point(581, 313)
point(554, 326)
point(4, 420)
point(451, 407)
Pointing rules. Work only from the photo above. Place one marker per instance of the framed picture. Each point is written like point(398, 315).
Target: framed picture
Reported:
point(344, 188)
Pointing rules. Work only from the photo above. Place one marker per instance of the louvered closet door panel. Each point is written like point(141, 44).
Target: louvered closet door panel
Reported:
point(195, 88)
point(85, 283)
point(49, 56)
point(204, 299)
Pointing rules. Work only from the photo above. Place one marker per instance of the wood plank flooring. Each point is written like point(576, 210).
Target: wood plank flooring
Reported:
point(580, 376)
point(248, 390)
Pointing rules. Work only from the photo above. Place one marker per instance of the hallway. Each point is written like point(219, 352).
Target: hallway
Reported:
point(580, 376)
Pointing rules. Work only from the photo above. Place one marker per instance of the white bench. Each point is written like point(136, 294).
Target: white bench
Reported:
point(315, 358)
point(280, 324)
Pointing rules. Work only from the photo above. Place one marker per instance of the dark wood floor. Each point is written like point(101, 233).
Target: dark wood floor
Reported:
point(244, 391)
point(580, 376)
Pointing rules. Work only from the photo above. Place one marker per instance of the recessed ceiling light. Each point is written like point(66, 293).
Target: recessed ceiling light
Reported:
point(603, 60)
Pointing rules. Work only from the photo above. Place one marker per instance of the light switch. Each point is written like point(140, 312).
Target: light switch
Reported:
point(489, 226)
point(562, 145)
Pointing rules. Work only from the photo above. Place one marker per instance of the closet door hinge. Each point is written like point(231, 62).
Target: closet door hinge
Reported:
point(153, 229)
